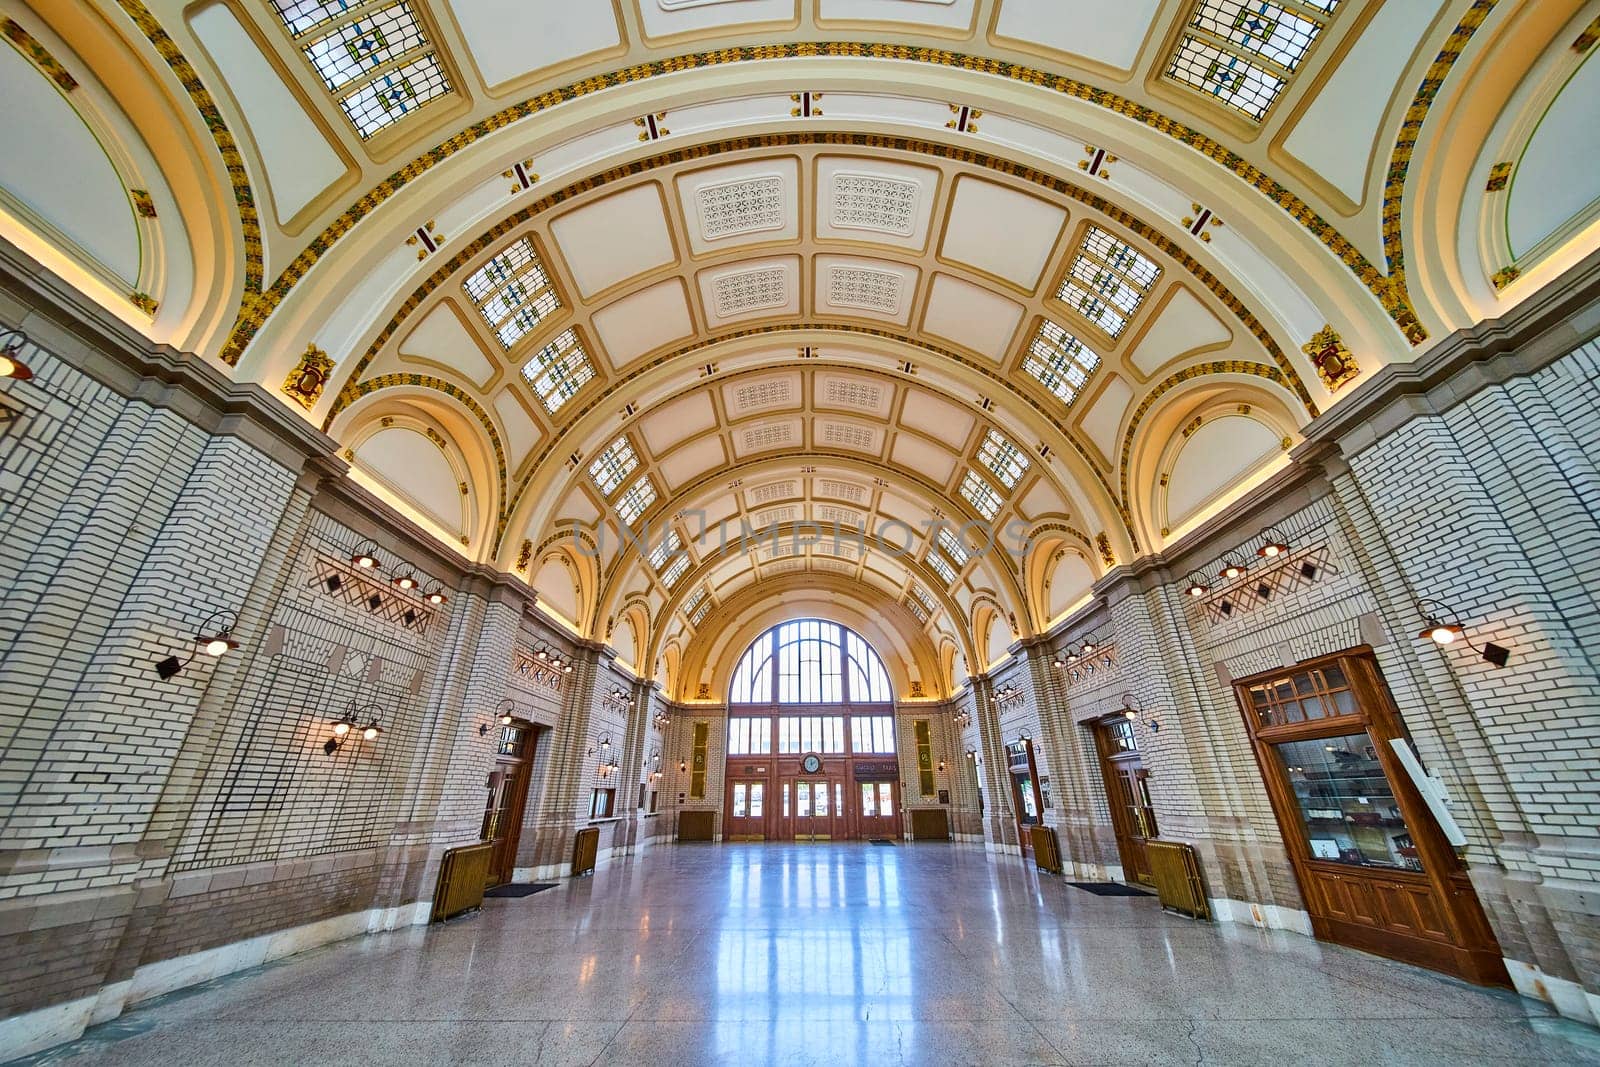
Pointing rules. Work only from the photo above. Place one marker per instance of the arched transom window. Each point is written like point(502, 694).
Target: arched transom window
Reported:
point(810, 661)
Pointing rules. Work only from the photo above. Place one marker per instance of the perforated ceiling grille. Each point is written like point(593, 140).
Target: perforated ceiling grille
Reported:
point(750, 290)
point(772, 436)
point(874, 202)
point(512, 292)
point(838, 516)
point(1243, 53)
point(846, 435)
point(764, 394)
point(765, 494)
point(865, 287)
point(845, 392)
point(842, 490)
point(749, 205)
point(772, 516)
point(1107, 282)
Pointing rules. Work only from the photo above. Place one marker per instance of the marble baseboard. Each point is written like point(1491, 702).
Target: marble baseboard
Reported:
point(1566, 996)
point(22, 1035)
point(1264, 916)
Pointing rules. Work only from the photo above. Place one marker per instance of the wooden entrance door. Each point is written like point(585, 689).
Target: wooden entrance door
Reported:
point(1374, 868)
point(748, 810)
point(877, 810)
point(816, 809)
point(1027, 802)
point(1133, 818)
point(508, 795)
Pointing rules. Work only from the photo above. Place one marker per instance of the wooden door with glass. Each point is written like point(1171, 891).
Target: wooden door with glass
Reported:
point(813, 809)
point(877, 810)
point(1374, 868)
point(1026, 799)
point(1133, 817)
point(507, 797)
point(747, 810)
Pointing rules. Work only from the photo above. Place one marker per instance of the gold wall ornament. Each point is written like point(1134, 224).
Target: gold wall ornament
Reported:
point(142, 204)
point(704, 692)
point(1334, 362)
point(309, 377)
point(144, 302)
point(524, 555)
point(1505, 276)
point(916, 688)
point(1588, 37)
point(1103, 543)
point(1499, 177)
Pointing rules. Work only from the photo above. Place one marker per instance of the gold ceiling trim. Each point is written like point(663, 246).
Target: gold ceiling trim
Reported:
point(243, 197)
point(1389, 289)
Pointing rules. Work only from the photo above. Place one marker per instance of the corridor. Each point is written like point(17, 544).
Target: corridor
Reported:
point(919, 954)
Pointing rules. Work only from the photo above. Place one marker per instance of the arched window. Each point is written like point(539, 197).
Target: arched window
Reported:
point(810, 661)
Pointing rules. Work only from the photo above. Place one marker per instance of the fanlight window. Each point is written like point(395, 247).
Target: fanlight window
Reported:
point(810, 662)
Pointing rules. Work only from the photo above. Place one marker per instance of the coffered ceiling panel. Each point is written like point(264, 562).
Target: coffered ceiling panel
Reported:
point(508, 39)
point(750, 290)
point(874, 200)
point(442, 338)
point(521, 432)
point(675, 422)
point(1027, 228)
point(925, 458)
point(743, 204)
point(757, 394)
point(1184, 324)
point(870, 288)
point(615, 239)
point(644, 321)
point(948, 14)
point(936, 418)
point(851, 392)
point(663, 18)
point(972, 316)
point(693, 460)
point(1089, 29)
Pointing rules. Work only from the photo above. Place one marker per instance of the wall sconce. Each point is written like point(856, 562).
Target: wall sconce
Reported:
point(1230, 569)
point(972, 754)
point(436, 596)
point(504, 713)
point(941, 766)
point(655, 765)
point(405, 580)
point(365, 557)
point(1004, 694)
point(214, 638)
point(683, 766)
point(346, 725)
point(602, 748)
point(1273, 543)
point(1444, 628)
point(961, 718)
point(1131, 711)
point(661, 719)
point(1024, 738)
point(1197, 586)
point(11, 365)
point(549, 655)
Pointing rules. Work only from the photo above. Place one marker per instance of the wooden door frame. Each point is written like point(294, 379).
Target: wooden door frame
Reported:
point(1121, 819)
point(1474, 953)
point(520, 787)
point(1024, 830)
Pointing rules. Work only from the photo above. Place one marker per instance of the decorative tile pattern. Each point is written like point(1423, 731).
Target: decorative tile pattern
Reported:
point(845, 392)
point(29, 46)
point(838, 490)
point(1499, 177)
point(749, 205)
point(875, 202)
point(773, 435)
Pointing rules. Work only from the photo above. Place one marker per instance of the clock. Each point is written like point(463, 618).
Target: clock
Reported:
point(811, 764)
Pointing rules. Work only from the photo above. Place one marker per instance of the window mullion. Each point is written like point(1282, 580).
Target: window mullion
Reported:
point(317, 31)
point(1238, 51)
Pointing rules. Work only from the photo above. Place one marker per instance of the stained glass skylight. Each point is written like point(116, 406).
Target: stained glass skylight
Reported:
point(1242, 52)
point(375, 59)
point(512, 292)
point(941, 568)
point(613, 465)
point(665, 550)
point(981, 495)
point(1003, 458)
point(952, 547)
point(1108, 281)
point(635, 499)
point(558, 370)
point(1059, 361)
point(674, 572)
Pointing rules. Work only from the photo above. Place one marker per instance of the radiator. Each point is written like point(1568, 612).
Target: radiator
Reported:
point(930, 824)
point(1176, 869)
point(696, 825)
point(1046, 851)
point(585, 849)
point(463, 872)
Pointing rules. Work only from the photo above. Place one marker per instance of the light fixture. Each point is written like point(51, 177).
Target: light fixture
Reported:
point(683, 766)
point(436, 596)
point(504, 713)
point(1230, 569)
point(1089, 646)
point(941, 766)
point(1132, 710)
point(365, 556)
point(214, 638)
point(11, 366)
point(1197, 585)
point(350, 722)
point(1273, 544)
point(1443, 628)
point(972, 754)
point(406, 581)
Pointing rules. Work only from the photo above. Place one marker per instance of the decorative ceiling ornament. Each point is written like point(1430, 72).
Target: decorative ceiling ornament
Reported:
point(524, 555)
point(1334, 362)
point(427, 238)
point(1103, 543)
point(309, 377)
point(965, 120)
point(1201, 222)
point(1505, 276)
point(39, 54)
point(144, 302)
point(1499, 177)
point(1097, 162)
point(142, 204)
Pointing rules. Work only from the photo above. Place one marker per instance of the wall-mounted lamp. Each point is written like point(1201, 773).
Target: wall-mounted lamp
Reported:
point(1004, 694)
point(405, 580)
point(1131, 710)
point(941, 766)
point(1444, 628)
point(349, 725)
point(683, 766)
point(504, 714)
point(661, 719)
point(655, 765)
point(436, 596)
point(1273, 544)
point(602, 748)
point(1231, 569)
point(1197, 586)
point(962, 718)
point(214, 638)
point(972, 754)
point(11, 365)
point(549, 655)
point(365, 556)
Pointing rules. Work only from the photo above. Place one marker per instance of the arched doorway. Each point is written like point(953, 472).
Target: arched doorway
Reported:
point(812, 750)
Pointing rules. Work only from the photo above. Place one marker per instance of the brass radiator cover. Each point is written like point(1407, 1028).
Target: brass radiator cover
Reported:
point(462, 874)
point(1175, 866)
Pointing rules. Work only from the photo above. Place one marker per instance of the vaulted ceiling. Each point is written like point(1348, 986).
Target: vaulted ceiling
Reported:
point(551, 272)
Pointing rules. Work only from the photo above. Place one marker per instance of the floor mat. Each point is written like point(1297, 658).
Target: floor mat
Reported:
point(1109, 889)
point(880, 841)
point(525, 889)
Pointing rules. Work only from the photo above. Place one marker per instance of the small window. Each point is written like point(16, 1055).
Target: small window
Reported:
point(558, 370)
point(601, 802)
point(670, 577)
point(374, 59)
point(981, 495)
point(613, 465)
point(1059, 361)
point(669, 545)
point(696, 598)
point(941, 568)
point(698, 615)
point(952, 547)
point(1107, 281)
point(512, 292)
point(1003, 459)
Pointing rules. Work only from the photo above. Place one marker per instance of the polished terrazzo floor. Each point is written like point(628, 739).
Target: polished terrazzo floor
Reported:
point(836, 954)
